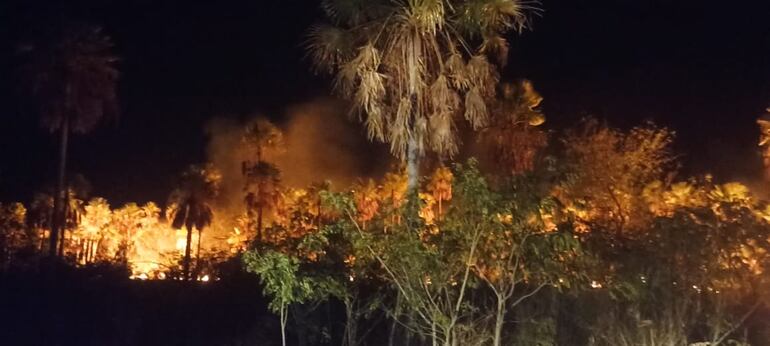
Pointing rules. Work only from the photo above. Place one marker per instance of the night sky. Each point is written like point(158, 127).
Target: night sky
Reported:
point(700, 67)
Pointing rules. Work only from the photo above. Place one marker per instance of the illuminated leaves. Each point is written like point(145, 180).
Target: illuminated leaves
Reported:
point(513, 140)
point(260, 138)
point(13, 235)
point(394, 188)
point(764, 142)
point(609, 170)
point(367, 199)
point(412, 68)
point(191, 200)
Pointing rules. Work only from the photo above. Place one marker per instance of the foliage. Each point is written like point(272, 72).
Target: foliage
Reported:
point(191, 205)
point(597, 244)
point(72, 78)
point(72, 74)
point(278, 274)
point(513, 138)
point(262, 185)
point(607, 171)
point(412, 67)
point(13, 234)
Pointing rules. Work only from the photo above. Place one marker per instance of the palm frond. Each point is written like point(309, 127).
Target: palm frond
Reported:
point(475, 108)
point(443, 137)
point(482, 75)
point(496, 46)
point(410, 67)
point(426, 16)
point(73, 74)
point(457, 71)
point(350, 12)
point(400, 132)
point(329, 47)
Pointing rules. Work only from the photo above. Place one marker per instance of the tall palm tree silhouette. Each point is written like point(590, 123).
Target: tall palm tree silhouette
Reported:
point(191, 205)
point(72, 78)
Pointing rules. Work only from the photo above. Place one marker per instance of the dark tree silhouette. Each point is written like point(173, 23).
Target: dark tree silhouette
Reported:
point(191, 205)
point(262, 178)
point(72, 79)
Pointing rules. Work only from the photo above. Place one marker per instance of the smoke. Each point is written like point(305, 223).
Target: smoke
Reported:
point(321, 143)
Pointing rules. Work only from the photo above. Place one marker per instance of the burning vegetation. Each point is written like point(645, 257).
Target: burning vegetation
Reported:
point(594, 221)
point(605, 212)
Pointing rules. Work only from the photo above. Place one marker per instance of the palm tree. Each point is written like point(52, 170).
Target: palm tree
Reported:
point(40, 216)
point(73, 209)
point(513, 138)
point(96, 227)
point(411, 67)
point(191, 205)
point(440, 187)
point(72, 78)
point(262, 178)
point(262, 191)
point(764, 140)
point(261, 137)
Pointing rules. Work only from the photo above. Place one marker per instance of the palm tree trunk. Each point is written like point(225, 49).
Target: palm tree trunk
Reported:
point(412, 166)
point(187, 254)
point(58, 198)
point(89, 248)
point(186, 261)
point(259, 222)
point(63, 229)
point(198, 254)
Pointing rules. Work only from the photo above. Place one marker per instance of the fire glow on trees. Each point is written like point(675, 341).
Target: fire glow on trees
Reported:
point(523, 233)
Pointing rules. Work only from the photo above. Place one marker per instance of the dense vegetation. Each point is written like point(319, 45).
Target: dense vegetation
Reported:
point(587, 236)
point(597, 243)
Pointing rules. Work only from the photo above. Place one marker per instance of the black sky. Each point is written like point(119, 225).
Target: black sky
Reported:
point(700, 67)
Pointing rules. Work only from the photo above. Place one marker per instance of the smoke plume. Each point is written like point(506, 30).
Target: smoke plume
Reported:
point(321, 143)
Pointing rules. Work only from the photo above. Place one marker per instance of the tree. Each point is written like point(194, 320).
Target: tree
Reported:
point(513, 138)
point(411, 67)
point(430, 270)
point(13, 237)
point(764, 140)
point(95, 233)
point(299, 213)
point(440, 187)
point(73, 210)
point(279, 276)
point(367, 198)
point(40, 216)
point(72, 78)
point(680, 275)
point(608, 170)
point(191, 205)
point(518, 253)
point(393, 192)
point(262, 190)
point(126, 222)
point(262, 178)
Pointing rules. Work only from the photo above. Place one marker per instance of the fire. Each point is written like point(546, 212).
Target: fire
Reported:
point(141, 238)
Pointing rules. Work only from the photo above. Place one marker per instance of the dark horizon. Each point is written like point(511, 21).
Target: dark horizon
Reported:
point(699, 68)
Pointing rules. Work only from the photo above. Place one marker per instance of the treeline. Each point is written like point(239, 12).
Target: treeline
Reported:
point(596, 242)
point(592, 240)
